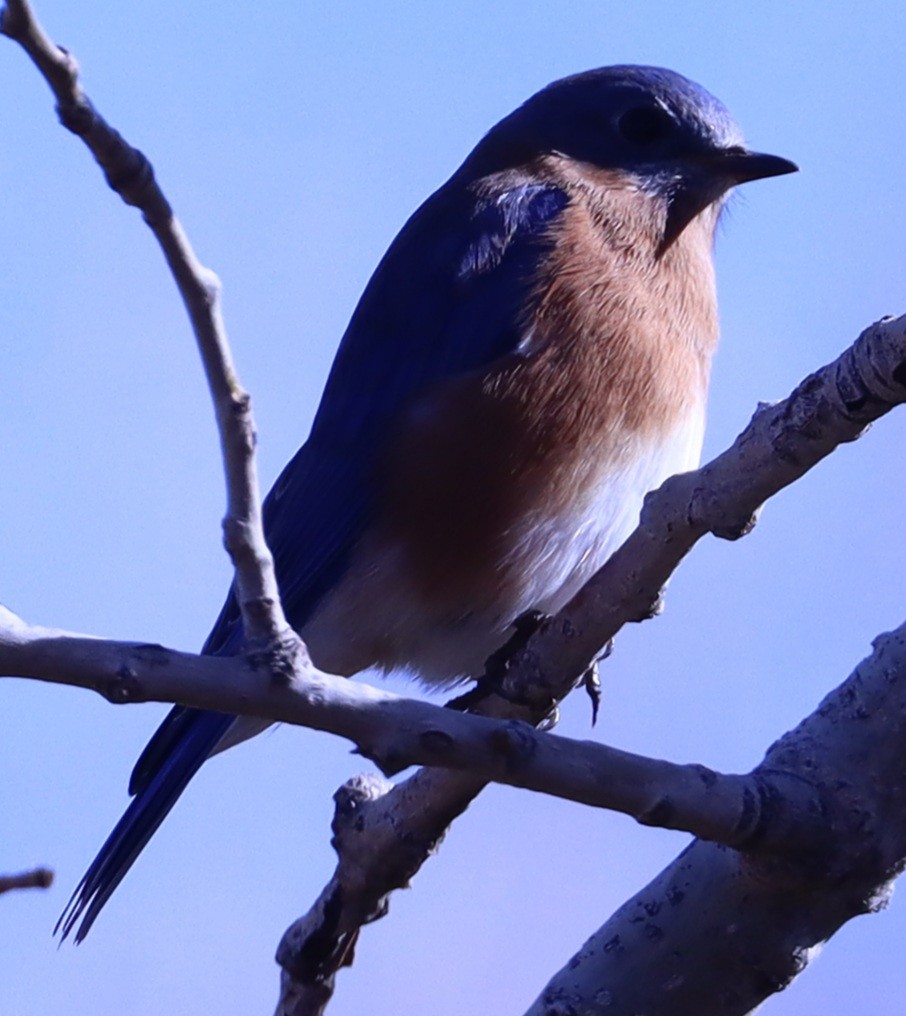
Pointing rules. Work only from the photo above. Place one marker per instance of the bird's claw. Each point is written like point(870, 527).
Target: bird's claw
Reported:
point(493, 680)
point(591, 681)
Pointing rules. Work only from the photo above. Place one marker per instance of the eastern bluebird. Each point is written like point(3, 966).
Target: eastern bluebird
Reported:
point(529, 359)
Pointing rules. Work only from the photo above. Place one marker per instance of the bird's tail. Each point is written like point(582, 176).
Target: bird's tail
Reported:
point(151, 805)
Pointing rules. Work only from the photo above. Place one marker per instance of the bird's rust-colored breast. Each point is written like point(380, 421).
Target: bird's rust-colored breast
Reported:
point(617, 349)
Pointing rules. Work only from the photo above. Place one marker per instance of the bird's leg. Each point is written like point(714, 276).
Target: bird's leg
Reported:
point(498, 663)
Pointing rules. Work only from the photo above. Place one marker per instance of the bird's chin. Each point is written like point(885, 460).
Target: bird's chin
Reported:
point(683, 208)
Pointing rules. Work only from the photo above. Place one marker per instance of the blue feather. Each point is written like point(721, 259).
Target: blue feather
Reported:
point(449, 296)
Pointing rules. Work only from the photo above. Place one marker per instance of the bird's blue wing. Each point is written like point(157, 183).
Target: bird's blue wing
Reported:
point(450, 296)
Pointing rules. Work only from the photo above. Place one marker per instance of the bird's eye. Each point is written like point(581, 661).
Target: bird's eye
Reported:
point(645, 125)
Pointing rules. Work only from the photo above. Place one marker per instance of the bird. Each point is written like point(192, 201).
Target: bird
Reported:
point(530, 358)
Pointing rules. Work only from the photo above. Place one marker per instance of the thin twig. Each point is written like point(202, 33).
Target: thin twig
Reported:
point(131, 175)
point(37, 878)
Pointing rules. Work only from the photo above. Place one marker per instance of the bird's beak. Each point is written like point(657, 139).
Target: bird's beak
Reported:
point(711, 175)
point(741, 166)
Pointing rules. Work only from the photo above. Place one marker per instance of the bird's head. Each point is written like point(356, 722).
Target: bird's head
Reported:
point(673, 138)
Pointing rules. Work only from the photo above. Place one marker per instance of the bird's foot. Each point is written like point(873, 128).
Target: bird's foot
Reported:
point(493, 680)
point(500, 661)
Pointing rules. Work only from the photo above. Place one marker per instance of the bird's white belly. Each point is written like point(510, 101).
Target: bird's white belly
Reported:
point(376, 616)
point(564, 552)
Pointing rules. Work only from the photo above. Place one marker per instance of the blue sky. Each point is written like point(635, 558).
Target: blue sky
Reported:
point(294, 139)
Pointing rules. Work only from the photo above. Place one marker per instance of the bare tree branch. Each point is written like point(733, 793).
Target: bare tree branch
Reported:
point(720, 930)
point(781, 443)
point(37, 878)
point(131, 175)
point(394, 731)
